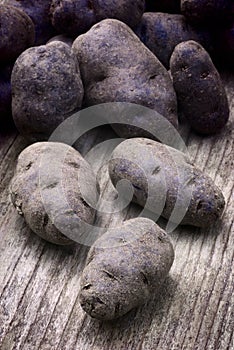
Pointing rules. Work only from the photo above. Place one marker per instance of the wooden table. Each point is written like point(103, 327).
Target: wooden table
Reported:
point(39, 281)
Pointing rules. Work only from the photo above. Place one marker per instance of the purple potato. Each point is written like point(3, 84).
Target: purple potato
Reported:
point(163, 177)
point(200, 91)
point(161, 32)
point(74, 17)
point(17, 33)
point(125, 268)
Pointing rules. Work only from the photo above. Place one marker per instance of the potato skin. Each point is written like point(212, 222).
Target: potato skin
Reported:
point(199, 88)
point(17, 33)
point(76, 17)
point(38, 11)
point(147, 163)
point(113, 72)
point(46, 89)
point(207, 12)
point(125, 267)
point(27, 190)
point(161, 32)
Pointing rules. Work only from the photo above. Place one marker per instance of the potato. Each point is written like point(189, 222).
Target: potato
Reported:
point(38, 11)
point(5, 95)
point(76, 17)
point(166, 175)
point(32, 194)
point(125, 267)
point(206, 11)
point(46, 89)
point(168, 6)
point(199, 88)
point(17, 33)
point(161, 32)
point(113, 72)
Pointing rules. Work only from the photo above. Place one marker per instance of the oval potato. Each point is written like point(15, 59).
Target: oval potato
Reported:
point(113, 72)
point(38, 11)
point(46, 89)
point(199, 88)
point(164, 176)
point(17, 33)
point(50, 201)
point(125, 267)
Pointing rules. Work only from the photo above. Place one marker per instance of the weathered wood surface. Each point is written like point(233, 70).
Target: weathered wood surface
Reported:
point(39, 281)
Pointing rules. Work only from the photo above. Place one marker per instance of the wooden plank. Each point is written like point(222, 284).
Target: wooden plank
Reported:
point(39, 282)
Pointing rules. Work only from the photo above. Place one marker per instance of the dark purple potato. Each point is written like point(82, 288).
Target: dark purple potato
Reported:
point(38, 11)
point(46, 89)
point(199, 88)
point(117, 67)
point(74, 17)
point(17, 33)
point(161, 32)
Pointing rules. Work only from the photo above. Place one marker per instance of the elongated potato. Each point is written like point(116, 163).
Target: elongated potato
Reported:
point(163, 176)
point(199, 88)
point(125, 267)
point(113, 72)
point(161, 32)
point(46, 89)
point(49, 197)
point(76, 17)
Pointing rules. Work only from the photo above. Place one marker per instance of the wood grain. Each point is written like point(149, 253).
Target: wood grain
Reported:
point(39, 281)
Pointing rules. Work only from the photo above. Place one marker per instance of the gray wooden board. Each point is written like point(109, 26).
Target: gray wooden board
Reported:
point(39, 281)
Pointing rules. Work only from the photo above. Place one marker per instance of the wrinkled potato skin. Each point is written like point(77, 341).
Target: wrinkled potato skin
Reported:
point(12, 23)
point(76, 17)
point(124, 271)
point(161, 32)
point(38, 11)
point(199, 88)
point(46, 89)
point(144, 162)
point(26, 189)
point(113, 72)
point(206, 11)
